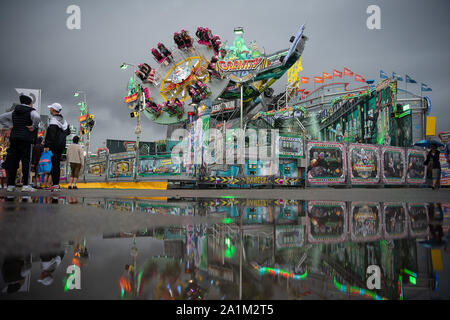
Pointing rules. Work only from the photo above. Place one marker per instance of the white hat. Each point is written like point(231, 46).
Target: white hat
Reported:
point(55, 106)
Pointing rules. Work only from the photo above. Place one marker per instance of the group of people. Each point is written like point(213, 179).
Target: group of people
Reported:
point(42, 156)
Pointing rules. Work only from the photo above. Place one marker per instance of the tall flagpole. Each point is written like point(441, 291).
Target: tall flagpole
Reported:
point(40, 101)
point(345, 87)
point(406, 86)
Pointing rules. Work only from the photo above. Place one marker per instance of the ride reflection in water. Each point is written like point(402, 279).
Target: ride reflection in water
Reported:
point(260, 249)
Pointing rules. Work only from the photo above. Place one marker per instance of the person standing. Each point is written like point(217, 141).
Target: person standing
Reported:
point(25, 122)
point(75, 156)
point(434, 163)
point(45, 167)
point(36, 156)
point(55, 140)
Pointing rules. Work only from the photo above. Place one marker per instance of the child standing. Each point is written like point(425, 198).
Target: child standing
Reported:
point(35, 158)
point(45, 167)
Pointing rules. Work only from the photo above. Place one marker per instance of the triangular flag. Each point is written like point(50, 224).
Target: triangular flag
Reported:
point(337, 73)
point(425, 88)
point(409, 80)
point(305, 79)
point(318, 80)
point(348, 72)
point(359, 78)
point(327, 75)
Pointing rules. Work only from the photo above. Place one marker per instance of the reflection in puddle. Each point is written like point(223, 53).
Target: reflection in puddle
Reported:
point(262, 249)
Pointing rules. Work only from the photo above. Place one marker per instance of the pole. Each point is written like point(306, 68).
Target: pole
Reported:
point(240, 257)
point(287, 89)
point(89, 132)
point(137, 131)
point(138, 135)
point(40, 101)
point(242, 104)
point(406, 88)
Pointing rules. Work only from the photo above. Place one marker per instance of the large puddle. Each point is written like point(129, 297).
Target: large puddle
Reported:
point(222, 249)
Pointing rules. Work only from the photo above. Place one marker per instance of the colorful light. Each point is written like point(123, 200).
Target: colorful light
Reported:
point(229, 250)
point(409, 272)
point(437, 282)
point(400, 286)
point(356, 291)
point(227, 220)
point(283, 273)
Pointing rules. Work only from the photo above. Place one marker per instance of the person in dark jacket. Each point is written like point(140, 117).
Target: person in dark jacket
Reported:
point(36, 156)
point(434, 163)
point(55, 140)
point(25, 122)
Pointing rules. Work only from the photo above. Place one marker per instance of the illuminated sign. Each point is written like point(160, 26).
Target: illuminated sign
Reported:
point(131, 98)
point(241, 70)
point(223, 107)
point(239, 65)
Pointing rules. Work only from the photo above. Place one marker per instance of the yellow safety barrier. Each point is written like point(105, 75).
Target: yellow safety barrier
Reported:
point(148, 185)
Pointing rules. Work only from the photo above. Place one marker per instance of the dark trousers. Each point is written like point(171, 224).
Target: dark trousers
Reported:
point(56, 166)
point(18, 151)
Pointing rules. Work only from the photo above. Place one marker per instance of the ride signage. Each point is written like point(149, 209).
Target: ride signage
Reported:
point(241, 70)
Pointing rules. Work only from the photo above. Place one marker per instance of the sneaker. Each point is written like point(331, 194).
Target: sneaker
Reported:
point(74, 187)
point(28, 189)
point(70, 187)
point(11, 188)
point(56, 188)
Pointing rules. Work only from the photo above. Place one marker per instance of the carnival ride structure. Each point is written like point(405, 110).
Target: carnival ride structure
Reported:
point(202, 67)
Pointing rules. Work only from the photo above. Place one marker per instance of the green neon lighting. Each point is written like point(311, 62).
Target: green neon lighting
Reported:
point(406, 107)
point(412, 280)
point(230, 250)
point(67, 283)
point(229, 253)
point(404, 114)
point(140, 276)
point(400, 280)
point(227, 220)
point(409, 272)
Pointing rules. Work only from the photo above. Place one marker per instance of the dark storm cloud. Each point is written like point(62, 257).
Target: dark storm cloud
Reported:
point(38, 51)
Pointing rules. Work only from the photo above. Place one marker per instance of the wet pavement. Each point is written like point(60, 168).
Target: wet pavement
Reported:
point(133, 246)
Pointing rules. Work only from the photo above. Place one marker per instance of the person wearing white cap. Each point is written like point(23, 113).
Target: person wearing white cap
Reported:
point(55, 140)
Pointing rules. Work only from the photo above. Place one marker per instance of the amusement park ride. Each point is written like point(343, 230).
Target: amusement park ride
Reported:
point(318, 132)
point(202, 67)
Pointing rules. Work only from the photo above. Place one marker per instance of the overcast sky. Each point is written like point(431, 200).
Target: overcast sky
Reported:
point(38, 51)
